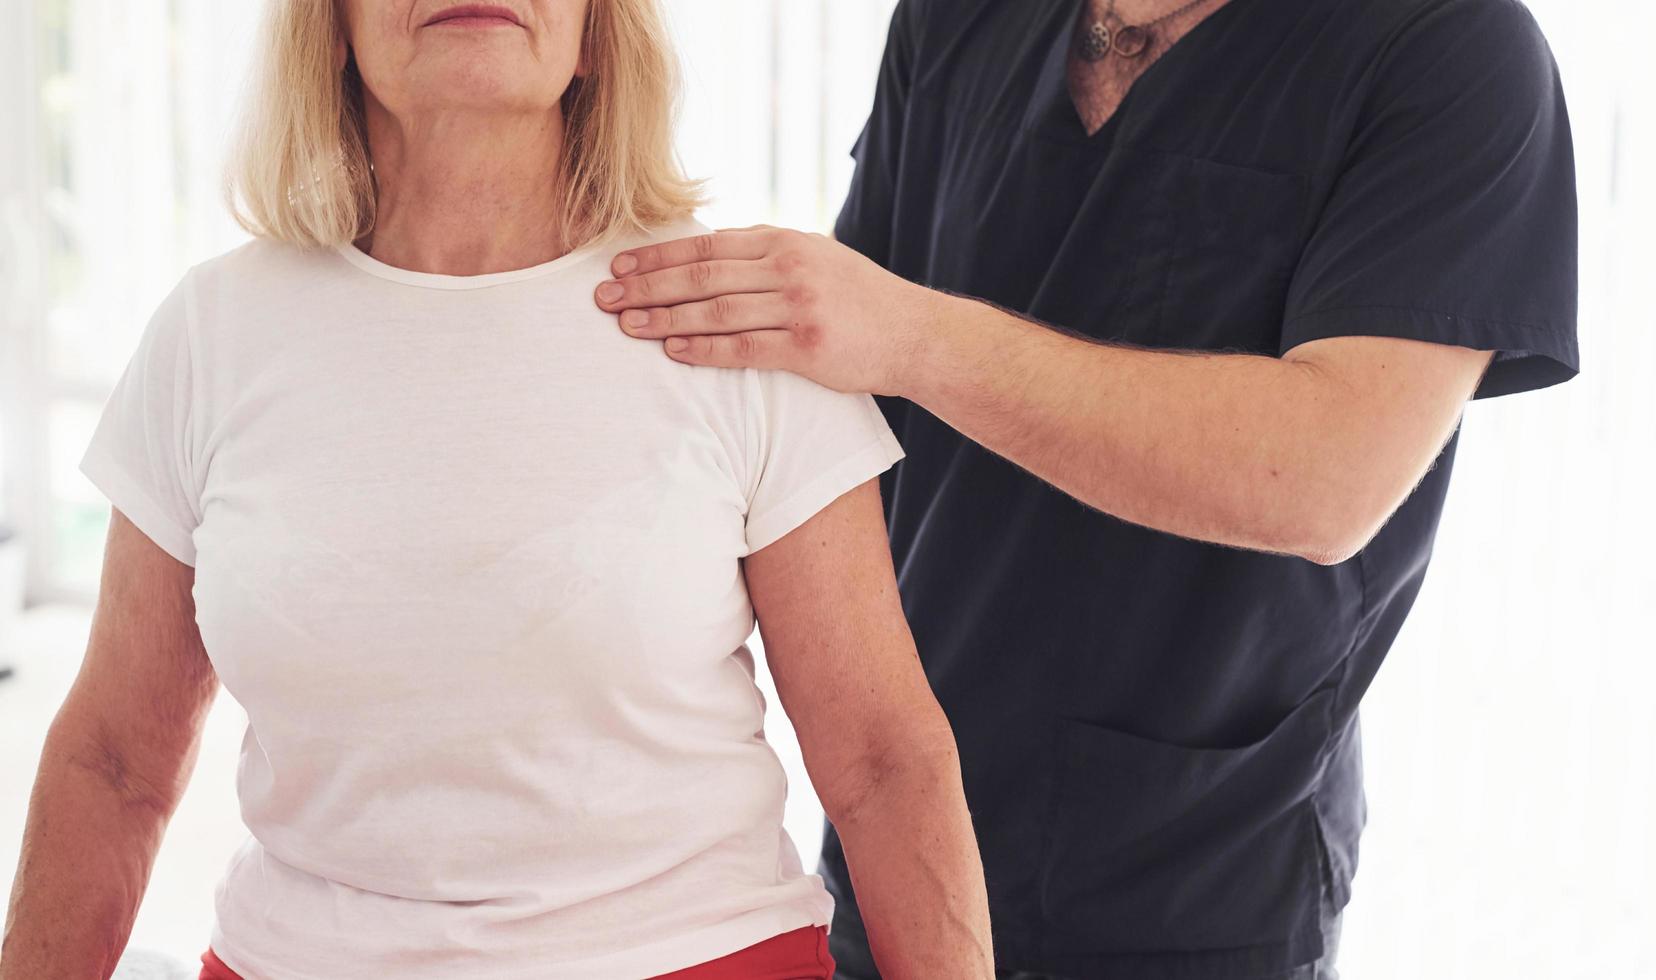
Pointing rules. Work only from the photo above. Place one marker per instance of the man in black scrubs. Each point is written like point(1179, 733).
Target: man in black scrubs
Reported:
point(1175, 308)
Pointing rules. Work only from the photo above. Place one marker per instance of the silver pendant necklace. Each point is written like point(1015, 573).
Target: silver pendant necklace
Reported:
point(1128, 40)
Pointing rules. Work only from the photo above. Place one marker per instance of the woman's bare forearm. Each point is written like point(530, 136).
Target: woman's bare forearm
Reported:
point(90, 841)
point(878, 747)
point(914, 863)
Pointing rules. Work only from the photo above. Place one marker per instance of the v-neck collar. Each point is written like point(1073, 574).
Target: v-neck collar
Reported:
point(1052, 112)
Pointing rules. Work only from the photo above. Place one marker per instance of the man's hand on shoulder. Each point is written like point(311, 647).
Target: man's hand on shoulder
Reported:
point(766, 297)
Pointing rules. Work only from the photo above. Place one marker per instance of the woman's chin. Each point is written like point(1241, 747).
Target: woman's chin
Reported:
point(484, 87)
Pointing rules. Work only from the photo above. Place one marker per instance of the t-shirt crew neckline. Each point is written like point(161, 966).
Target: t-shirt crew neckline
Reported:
point(434, 280)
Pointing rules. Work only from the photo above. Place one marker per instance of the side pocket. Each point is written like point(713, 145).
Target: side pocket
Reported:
point(1161, 848)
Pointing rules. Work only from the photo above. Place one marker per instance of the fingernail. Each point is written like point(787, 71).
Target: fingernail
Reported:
point(625, 264)
point(609, 292)
point(635, 319)
point(677, 344)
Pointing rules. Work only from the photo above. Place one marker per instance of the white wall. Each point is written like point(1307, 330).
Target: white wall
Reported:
point(1510, 740)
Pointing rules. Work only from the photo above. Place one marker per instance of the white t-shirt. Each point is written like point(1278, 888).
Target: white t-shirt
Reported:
point(468, 556)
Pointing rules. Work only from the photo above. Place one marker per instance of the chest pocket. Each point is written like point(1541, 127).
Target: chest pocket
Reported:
point(1233, 237)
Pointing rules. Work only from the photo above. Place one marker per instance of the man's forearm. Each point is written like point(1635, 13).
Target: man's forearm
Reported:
point(1244, 450)
point(914, 863)
point(1304, 454)
point(88, 849)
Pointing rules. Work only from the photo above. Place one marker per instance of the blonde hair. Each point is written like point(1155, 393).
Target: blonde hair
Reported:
point(300, 170)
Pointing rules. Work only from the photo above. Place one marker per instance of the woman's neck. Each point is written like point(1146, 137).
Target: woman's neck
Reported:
point(465, 193)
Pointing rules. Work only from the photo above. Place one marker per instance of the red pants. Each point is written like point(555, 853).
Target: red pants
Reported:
point(798, 955)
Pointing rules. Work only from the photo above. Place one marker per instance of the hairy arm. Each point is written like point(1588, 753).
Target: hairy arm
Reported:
point(1307, 454)
point(115, 763)
point(878, 748)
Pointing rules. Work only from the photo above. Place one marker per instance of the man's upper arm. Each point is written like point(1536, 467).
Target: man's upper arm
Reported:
point(1387, 407)
point(1453, 220)
point(1408, 384)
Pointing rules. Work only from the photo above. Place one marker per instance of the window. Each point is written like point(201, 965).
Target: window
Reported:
point(126, 108)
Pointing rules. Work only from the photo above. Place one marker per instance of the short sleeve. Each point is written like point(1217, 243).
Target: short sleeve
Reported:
point(1453, 219)
point(139, 454)
point(865, 220)
point(806, 446)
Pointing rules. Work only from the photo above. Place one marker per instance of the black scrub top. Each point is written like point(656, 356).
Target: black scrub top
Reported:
point(1159, 736)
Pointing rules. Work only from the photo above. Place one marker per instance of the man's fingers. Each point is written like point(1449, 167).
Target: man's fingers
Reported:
point(729, 313)
point(685, 284)
point(746, 243)
point(768, 349)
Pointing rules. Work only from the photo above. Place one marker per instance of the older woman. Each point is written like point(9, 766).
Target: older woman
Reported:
point(478, 566)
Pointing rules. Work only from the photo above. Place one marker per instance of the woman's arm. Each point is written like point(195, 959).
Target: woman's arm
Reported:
point(116, 760)
point(878, 748)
